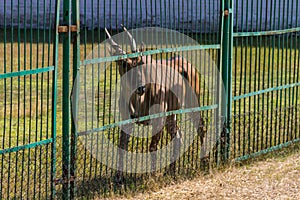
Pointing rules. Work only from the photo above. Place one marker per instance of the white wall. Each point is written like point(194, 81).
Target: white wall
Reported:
point(192, 14)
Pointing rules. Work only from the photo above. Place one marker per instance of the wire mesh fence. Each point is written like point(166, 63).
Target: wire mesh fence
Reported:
point(96, 170)
point(265, 76)
point(27, 100)
point(187, 35)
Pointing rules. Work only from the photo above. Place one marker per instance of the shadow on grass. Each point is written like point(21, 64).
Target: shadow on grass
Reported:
point(102, 187)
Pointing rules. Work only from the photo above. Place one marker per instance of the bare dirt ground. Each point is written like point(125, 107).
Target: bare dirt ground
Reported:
point(272, 177)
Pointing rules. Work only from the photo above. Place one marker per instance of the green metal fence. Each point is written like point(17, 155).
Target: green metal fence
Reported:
point(28, 93)
point(253, 44)
point(265, 77)
point(94, 175)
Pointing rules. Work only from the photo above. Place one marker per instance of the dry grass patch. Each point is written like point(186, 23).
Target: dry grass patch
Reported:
point(274, 177)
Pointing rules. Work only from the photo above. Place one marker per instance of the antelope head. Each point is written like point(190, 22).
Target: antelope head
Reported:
point(127, 64)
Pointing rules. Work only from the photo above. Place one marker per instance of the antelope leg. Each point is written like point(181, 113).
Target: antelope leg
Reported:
point(153, 149)
point(175, 133)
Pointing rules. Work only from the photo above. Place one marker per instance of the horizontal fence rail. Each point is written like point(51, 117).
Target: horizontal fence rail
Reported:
point(149, 52)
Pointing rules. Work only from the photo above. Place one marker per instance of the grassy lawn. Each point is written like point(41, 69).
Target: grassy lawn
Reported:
point(258, 122)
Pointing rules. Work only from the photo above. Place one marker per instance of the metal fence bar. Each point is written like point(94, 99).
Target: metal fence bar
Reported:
point(266, 91)
point(226, 70)
point(268, 150)
point(28, 146)
point(26, 72)
point(149, 52)
point(54, 101)
point(74, 101)
point(66, 101)
point(153, 116)
point(266, 33)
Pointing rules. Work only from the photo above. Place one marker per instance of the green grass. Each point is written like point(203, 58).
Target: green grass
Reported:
point(258, 122)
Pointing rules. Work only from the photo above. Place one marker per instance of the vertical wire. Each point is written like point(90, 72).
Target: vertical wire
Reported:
point(246, 113)
point(143, 130)
point(18, 97)
point(85, 89)
point(116, 92)
point(49, 54)
point(36, 101)
point(260, 139)
point(281, 74)
point(181, 30)
point(251, 105)
point(171, 63)
point(268, 64)
point(209, 41)
point(264, 76)
point(241, 80)
point(42, 98)
point(110, 132)
point(206, 82)
point(276, 66)
point(298, 73)
point(91, 126)
point(290, 106)
point(192, 30)
point(97, 104)
point(98, 90)
point(272, 26)
point(285, 66)
point(11, 97)
point(277, 77)
point(281, 78)
point(197, 32)
point(5, 102)
point(93, 95)
point(30, 95)
point(297, 48)
point(161, 46)
point(199, 39)
point(256, 85)
point(24, 107)
point(127, 157)
point(236, 136)
point(294, 103)
point(103, 114)
point(138, 128)
point(147, 38)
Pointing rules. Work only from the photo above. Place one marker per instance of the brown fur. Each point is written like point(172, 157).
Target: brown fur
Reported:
point(156, 94)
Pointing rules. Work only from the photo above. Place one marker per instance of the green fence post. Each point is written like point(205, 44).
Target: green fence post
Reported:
point(66, 100)
point(227, 43)
point(54, 100)
point(76, 65)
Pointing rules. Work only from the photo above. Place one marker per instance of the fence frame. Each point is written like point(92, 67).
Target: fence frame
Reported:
point(69, 30)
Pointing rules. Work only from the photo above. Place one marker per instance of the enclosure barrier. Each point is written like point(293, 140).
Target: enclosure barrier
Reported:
point(28, 105)
point(265, 77)
point(73, 88)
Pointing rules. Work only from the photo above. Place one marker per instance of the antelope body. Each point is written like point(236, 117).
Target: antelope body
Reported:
point(138, 103)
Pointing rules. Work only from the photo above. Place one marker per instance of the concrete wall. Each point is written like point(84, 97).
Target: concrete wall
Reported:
point(194, 15)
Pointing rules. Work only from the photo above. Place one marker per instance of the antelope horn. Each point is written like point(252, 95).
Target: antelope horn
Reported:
point(113, 44)
point(132, 41)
